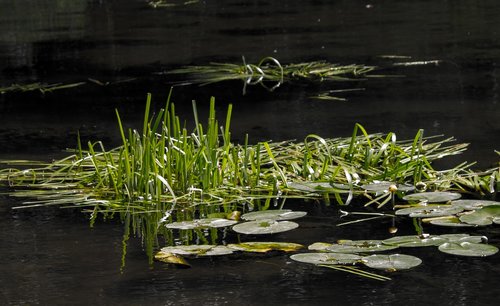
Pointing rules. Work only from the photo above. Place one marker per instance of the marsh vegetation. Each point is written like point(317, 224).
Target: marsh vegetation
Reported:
point(166, 180)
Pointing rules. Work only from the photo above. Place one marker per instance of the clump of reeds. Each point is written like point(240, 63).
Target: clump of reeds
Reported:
point(164, 172)
point(270, 73)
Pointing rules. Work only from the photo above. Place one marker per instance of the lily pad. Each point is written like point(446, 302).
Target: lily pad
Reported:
point(198, 250)
point(392, 262)
point(429, 211)
point(265, 226)
point(414, 241)
point(360, 246)
point(432, 197)
point(468, 249)
point(319, 246)
point(263, 247)
point(484, 216)
point(201, 223)
point(450, 221)
point(275, 214)
point(327, 258)
point(459, 238)
point(469, 204)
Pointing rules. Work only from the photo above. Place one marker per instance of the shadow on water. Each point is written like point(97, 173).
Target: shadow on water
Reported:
point(53, 257)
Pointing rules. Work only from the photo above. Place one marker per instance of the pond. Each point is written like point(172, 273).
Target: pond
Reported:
point(120, 51)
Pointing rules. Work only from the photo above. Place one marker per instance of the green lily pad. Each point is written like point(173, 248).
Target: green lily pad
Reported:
point(484, 216)
point(414, 241)
point(327, 258)
point(392, 262)
point(319, 246)
point(459, 238)
point(265, 226)
point(432, 197)
point(201, 223)
point(468, 249)
point(429, 211)
point(278, 214)
point(198, 250)
point(263, 247)
point(450, 221)
point(360, 246)
point(468, 204)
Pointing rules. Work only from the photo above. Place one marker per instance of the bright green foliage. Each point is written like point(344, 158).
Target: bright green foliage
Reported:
point(165, 173)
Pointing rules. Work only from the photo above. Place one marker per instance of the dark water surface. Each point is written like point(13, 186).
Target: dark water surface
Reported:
point(51, 257)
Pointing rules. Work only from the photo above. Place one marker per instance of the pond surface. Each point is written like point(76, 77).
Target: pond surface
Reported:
point(52, 257)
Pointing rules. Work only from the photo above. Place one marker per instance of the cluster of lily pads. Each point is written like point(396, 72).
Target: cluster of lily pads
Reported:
point(253, 223)
point(343, 255)
point(349, 252)
point(447, 209)
point(258, 222)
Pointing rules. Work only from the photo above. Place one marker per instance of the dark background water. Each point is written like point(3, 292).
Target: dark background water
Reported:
point(51, 257)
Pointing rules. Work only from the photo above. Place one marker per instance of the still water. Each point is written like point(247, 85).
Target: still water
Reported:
point(52, 257)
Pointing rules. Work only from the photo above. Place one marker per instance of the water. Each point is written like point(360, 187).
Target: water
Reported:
point(52, 257)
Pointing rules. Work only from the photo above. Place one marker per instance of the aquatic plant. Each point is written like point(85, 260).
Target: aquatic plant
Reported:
point(165, 173)
point(42, 87)
point(271, 74)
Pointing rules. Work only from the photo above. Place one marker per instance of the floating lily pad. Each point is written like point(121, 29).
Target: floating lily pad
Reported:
point(198, 250)
point(429, 211)
point(319, 246)
point(201, 223)
point(277, 214)
point(327, 258)
point(171, 258)
point(468, 249)
point(263, 247)
point(484, 216)
point(458, 238)
point(392, 262)
point(360, 246)
point(384, 186)
point(469, 204)
point(432, 197)
point(265, 226)
point(450, 221)
point(414, 241)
